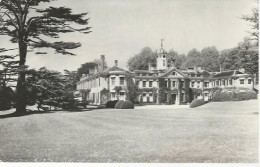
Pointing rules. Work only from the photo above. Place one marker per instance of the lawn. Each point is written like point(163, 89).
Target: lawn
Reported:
point(215, 132)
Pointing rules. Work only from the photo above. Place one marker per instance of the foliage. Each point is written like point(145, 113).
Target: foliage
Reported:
point(254, 20)
point(132, 90)
point(234, 95)
point(84, 69)
point(6, 98)
point(111, 104)
point(210, 57)
point(104, 96)
point(28, 25)
point(196, 103)
point(126, 105)
point(141, 60)
point(119, 103)
point(194, 58)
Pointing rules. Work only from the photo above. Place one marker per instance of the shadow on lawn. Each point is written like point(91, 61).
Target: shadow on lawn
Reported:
point(31, 112)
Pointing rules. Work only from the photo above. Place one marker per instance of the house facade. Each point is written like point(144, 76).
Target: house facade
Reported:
point(162, 83)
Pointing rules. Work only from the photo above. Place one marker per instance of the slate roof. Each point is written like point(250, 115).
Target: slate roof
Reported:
point(227, 74)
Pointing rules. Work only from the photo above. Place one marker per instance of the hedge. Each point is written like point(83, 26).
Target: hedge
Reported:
point(111, 104)
point(196, 103)
point(125, 105)
point(119, 103)
point(234, 96)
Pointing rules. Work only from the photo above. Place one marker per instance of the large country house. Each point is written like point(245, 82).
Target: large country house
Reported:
point(161, 83)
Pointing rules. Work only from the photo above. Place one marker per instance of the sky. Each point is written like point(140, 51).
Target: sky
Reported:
point(121, 28)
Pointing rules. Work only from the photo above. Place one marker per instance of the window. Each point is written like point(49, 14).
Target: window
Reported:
point(230, 82)
point(113, 80)
point(173, 84)
point(150, 83)
point(206, 84)
point(206, 94)
point(192, 84)
point(249, 81)
point(137, 83)
point(198, 84)
point(122, 93)
point(163, 62)
point(198, 75)
point(163, 56)
point(113, 94)
point(122, 80)
point(144, 84)
point(242, 81)
point(150, 94)
point(173, 73)
point(144, 94)
point(223, 82)
point(182, 84)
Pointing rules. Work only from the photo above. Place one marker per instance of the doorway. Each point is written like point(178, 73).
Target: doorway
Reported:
point(173, 98)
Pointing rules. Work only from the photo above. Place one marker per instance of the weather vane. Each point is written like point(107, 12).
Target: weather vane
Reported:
point(162, 42)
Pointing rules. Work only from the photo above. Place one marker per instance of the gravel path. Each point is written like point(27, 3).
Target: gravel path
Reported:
point(215, 132)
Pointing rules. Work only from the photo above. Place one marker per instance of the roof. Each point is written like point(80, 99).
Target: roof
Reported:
point(144, 71)
point(174, 69)
point(227, 74)
point(114, 68)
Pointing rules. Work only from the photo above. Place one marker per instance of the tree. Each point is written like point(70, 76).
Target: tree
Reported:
point(45, 85)
point(194, 58)
point(141, 61)
point(210, 56)
point(254, 20)
point(28, 25)
point(84, 69)
point(179, 60)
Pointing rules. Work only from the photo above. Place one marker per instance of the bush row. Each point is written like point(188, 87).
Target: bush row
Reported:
point(234, 96)
point(120, 104)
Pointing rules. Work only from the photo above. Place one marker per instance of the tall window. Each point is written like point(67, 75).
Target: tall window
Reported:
point(198, 84)
point(182, 83)
point(122, 80)
point(223, 82)
point(137, 83)
point(206, 84)
point(230, 82)
point(173, 84)
point(144, 84)
point(150, 83)
point(192, 84)
point(163, 62)
point(242, 81)
point(113, 80)
point(249, 81)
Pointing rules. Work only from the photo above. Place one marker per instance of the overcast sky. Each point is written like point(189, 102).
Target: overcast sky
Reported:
point(121, 28)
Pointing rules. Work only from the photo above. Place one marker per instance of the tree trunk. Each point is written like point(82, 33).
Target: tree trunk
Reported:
point(20, 88)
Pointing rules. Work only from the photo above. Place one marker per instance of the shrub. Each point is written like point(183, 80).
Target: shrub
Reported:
point(119, 103)
point(234, 95)
point(127, 105)
point(111, 104)
point(196, 103)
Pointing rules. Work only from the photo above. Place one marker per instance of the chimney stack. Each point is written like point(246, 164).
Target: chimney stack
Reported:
point(220, 69)
point(116, 63)
point(102, 63)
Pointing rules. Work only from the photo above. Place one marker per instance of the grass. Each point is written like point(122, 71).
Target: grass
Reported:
point(215, 132)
